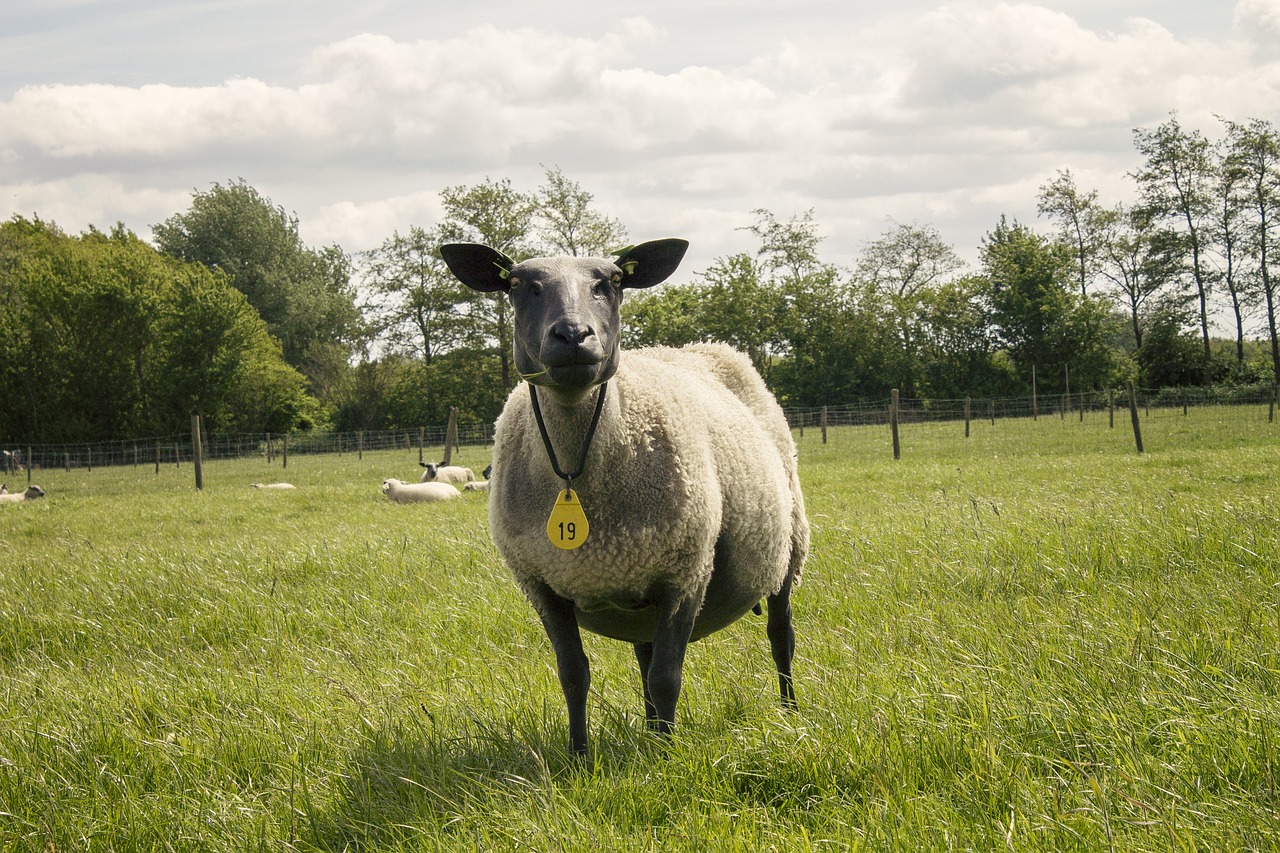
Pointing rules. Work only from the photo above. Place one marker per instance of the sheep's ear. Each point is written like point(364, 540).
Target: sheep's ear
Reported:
point(478, 267)
point(650, 263)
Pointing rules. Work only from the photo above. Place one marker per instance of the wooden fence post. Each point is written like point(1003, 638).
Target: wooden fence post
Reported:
point(967, 401)
point(197, 453)
point(1035, 409)
point(284, 451)
point(993, 412)
point(360, 444)
point(1111, 408)
point(1133, 414)
point(422, 438)
point(893, 422)
point(451, 434)
point(824, 424)
point(157, 458)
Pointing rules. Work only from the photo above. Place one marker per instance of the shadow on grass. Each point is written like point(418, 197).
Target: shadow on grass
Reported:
point(414, 781)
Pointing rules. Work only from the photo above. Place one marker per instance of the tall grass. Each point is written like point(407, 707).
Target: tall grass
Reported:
point(1030, 639)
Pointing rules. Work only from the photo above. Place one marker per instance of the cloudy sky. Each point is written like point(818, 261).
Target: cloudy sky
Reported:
point(681, 117)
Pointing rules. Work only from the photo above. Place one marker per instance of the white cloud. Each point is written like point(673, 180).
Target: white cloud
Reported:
point(1258, 20)
point(946, 113)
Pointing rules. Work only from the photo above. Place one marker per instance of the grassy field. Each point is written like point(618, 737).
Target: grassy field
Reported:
point(1034, 639)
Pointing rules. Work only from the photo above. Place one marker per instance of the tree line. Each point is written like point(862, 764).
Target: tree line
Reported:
point(229, 314)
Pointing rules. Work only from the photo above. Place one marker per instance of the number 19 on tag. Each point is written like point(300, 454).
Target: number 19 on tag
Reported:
point(567, 527)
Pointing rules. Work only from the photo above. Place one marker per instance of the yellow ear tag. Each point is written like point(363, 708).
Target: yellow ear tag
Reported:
point(567, 527)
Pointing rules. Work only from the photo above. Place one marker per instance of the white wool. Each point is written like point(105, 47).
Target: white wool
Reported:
point(449, 474)
point(31, 493)
point(691, 450)
point(408, 493)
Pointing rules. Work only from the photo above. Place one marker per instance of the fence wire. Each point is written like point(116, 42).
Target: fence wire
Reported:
point(429, 441)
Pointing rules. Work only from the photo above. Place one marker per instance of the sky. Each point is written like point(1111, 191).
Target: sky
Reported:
point(681, 118)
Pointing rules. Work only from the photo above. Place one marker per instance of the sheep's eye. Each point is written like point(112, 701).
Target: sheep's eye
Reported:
point(604, 289)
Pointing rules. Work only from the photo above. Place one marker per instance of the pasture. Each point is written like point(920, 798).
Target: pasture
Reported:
point(1031, 639)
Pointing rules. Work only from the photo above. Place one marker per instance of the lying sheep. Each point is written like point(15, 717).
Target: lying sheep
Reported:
point(277, 486)
point(685, 507)
point(410, 493)
point(30, 494)
point(480, 485)
point(446, 473)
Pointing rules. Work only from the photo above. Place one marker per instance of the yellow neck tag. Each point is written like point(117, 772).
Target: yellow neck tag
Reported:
point(567, 527)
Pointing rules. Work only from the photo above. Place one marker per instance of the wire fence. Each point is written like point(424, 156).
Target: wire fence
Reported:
point(1248, 402)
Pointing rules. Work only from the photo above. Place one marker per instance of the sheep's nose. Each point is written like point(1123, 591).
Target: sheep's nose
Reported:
point(571, 332)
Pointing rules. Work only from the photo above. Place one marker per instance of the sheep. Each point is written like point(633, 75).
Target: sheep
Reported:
point(31, 493)
point(690, 510)
point(4, 488)
point(409, 493)
point(480, 485)
point(276, 486)
point(446, 473)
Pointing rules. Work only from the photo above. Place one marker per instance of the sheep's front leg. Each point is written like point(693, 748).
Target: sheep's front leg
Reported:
point(666, 663)
point(571, 661)
point(782, 641)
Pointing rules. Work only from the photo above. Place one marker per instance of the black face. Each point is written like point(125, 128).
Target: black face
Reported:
point(567, 321)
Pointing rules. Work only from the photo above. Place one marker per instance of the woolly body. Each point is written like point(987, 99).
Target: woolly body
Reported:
point(410, 493)
point(455, 474)
point(274, 486)
point(692, 467)
point(31, 493)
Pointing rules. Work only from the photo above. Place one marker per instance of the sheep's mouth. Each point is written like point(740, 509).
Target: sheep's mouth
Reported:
point(576, 375)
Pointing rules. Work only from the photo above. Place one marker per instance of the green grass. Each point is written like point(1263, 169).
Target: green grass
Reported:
point(1032, 639)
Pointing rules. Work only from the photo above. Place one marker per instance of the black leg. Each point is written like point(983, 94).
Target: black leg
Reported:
point(644, 657)
point(782, 642)
point(670, 641)
point(571, 661)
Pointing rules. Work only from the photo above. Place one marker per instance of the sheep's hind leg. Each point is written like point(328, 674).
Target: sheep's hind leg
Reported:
point(666, 664)
point(782, 642)
point(644, 657)
point(571, 661)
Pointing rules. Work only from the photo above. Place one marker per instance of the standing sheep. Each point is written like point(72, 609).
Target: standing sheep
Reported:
point(455, 474)
point(683, 506)
point(31, 493)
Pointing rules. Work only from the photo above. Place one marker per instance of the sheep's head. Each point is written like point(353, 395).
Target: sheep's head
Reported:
point(567, 309)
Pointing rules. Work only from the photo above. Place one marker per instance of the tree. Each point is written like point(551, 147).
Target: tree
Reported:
point(900, 269)
point(1036, 313)
point(1254, 158)
point(216, 358)
point(567, 225)
point(500, 217)
point(1177, 181)
point(1143, 263)
point(304, 295)
point(415, 299)
point(1082, 223)
point(103, 337)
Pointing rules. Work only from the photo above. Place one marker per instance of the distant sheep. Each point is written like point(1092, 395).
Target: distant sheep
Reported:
point(686, 472)
point(30, 494)
point(410, 493)
point(278, 486)
point(480, 485)
point(446, 473)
